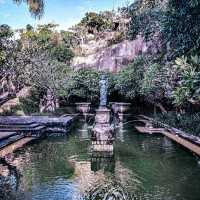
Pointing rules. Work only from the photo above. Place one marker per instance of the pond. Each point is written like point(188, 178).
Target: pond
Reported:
point(142, 167)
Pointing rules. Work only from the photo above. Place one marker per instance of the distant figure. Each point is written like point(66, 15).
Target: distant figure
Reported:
point(103, 91)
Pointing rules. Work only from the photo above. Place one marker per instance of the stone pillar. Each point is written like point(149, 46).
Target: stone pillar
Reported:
point(102, 133)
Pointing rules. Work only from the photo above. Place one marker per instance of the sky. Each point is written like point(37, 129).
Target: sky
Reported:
point(63, 12)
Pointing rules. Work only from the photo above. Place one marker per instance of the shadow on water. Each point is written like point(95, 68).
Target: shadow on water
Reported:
point(141, 167)
point(9, 180)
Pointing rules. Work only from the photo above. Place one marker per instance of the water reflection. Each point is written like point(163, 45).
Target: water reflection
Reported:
point(104, 161)
point(9, 180)
point(84, 131)
point(104, 178)
point(120, 132)
point(65, 168)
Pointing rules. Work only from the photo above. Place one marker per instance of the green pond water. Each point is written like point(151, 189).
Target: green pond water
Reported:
point(141, 167)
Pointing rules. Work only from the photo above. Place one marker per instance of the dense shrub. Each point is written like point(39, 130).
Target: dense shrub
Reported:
point(83, 84)
point(30, 104)
point(188, 84)
point(129, 80)
point(62, 53)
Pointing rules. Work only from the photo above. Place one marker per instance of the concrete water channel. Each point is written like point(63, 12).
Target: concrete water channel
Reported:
point(142, 166)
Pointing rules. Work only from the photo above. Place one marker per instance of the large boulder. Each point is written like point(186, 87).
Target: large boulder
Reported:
point(112, 58)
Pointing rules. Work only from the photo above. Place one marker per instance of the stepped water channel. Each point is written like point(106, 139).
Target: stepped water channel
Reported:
point(64, 167)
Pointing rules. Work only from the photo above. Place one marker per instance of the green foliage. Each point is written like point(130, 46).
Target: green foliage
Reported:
point(187, 87)
point(177, 23)
point(146, 23)
point(69, 38)
point(84, 84)
point(47, 73)
point(46, 38)
point(129, 80)
point(174, 25)
point(62, 53)
point(187, 122)
point(5, 31)
point(96, 21)
point(5, 34)
point(30, 104)
point(181, 27)
point(151, 81)
point(44, 34)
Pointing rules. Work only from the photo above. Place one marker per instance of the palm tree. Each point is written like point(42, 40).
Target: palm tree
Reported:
point(36, 7)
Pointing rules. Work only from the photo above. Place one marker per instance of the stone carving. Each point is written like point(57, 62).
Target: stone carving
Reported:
point(49, 103)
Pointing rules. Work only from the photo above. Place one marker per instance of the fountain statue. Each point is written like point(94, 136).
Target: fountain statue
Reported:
point(103, 91)
point(102, 133)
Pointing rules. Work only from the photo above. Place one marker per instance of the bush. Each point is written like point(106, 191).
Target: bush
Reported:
point(30, 104)
point(84, 84)
point(128, 81)
point(186, 122)
point(188, 84)
point(62, 53)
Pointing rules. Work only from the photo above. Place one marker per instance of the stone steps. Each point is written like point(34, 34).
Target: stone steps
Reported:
point(22, 129)
point(31, 125)
point(15, 130)
point(42, 120)
point(10, 140)
point(5, 135)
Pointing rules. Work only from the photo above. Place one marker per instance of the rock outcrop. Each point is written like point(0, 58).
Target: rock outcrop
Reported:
point(112, 58)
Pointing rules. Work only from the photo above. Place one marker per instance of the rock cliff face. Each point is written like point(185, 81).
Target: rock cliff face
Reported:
point(112, 58)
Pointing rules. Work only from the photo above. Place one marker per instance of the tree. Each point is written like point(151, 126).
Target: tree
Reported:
point(5, 31)
point(84, 84)
point(180, 27)
point(97, 22)
point(48, 75)
point(8, 53)
point(36, 7)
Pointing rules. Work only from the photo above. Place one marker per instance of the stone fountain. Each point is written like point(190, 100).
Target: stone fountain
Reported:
point(83, 108)
point(120, 110)
point(102, 133)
